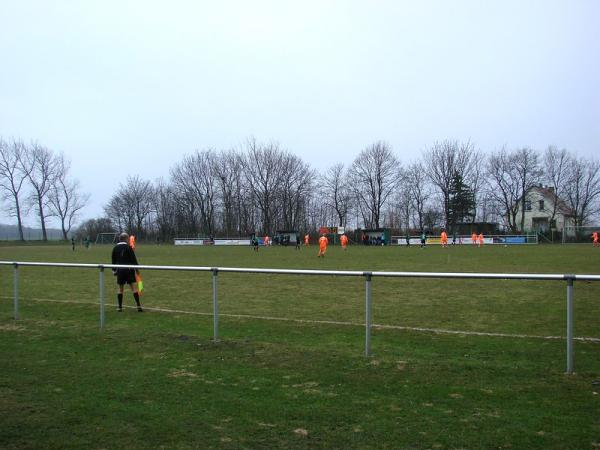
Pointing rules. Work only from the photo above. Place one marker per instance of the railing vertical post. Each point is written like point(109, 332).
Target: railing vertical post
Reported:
point(16, 290)
point(368, 313)
point(569, 325)
point(101, 297)
point(215, 273)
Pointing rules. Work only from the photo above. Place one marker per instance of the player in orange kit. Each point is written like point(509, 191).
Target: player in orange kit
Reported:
point(344, 241)
point(595, 239)
point(480, 238)
point(322, 246)
point(444, 239)
point(306, 240)
point(474, 238)
point(132, 242)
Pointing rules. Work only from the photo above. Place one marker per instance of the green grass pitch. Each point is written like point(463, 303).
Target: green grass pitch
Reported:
point(289, 369)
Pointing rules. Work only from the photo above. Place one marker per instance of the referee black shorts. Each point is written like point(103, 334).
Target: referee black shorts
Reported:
point(125, 276)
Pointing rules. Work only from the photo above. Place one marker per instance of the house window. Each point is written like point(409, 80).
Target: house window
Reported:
point(527, 205)
point(541, 202)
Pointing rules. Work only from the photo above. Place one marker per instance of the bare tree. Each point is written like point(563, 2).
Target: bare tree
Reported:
point(336, 192)
point(64, 197)
point(116, 212)
point(404, 206)
point(165, 207)
point(194, 180)
point(263, 169)
point(526, 162)
point(130, 206)
point(444, 162)
point(228, 174)
point(296, 184)
point(511, 175)
point(419, 192)
point(556, 165)
point(41, 178)
point(583, 188)
point(375, 174)
point(92, 227)
point(504, 185)
point(14, 170)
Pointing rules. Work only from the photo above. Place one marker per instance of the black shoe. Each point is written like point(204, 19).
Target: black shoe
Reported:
point(119, 309)
point(140, 309)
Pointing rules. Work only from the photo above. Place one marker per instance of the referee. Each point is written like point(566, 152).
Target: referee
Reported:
point(123, 254)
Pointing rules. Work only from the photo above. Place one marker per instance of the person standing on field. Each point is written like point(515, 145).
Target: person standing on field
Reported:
point(595, 239)
point(132, 242)
point(306, 240)
point(322, 246)
point(444, 239)
point(123, 254)
point(474, 238)
point(344, 241)
point(480, 239)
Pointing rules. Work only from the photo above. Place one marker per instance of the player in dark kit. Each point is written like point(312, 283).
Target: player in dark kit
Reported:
point(123, 254)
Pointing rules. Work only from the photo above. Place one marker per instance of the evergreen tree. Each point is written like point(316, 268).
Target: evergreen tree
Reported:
point(461, 202)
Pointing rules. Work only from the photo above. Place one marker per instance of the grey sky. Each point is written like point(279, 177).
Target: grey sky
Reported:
point(128, 87)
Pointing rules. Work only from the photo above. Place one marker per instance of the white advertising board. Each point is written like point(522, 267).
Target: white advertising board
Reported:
point(189, 241)
point(232, 241)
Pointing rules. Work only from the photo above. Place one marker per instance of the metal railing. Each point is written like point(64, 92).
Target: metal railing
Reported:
point(568, 278)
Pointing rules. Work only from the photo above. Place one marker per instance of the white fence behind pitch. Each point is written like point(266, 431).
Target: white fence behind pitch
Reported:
point(495, 239)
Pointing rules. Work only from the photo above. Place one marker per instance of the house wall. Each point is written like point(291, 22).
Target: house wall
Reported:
point(534, 197)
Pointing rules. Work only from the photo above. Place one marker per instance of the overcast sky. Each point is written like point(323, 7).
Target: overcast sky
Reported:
point(129, 87)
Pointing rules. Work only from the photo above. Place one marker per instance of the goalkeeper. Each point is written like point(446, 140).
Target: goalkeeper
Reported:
point(123, 254)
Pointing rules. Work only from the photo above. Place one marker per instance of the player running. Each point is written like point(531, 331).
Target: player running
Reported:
point(322, 246)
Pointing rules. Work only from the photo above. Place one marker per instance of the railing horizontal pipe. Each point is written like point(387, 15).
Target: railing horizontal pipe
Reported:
point(355, 273)
point(455, 275)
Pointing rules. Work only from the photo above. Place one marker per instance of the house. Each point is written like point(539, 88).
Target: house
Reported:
point(539, 205)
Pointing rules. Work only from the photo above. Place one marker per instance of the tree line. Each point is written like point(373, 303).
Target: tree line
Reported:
point(36, 180)
point(263, 188)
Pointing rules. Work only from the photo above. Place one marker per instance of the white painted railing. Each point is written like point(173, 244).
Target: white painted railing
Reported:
point(568, 278)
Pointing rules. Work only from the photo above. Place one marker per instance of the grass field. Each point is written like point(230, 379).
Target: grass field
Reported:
point(157, 380)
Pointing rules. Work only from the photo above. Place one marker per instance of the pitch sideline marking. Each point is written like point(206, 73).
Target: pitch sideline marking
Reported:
point(334, 322)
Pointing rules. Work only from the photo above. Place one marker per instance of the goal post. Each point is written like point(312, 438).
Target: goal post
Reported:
point(107, 238)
